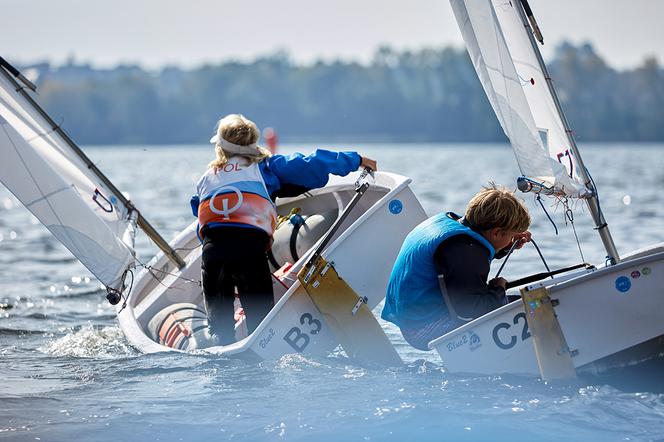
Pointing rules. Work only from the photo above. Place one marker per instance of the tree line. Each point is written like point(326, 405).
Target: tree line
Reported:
point(431, 95)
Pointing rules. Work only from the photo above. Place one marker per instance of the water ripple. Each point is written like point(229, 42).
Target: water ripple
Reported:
point(91, 342)
point(62, 380)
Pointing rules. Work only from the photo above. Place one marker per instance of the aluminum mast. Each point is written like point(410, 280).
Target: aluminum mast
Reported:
point(593, 204)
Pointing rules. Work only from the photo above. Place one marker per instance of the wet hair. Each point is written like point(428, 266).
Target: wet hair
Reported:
point(495, 206)
point(237, 129)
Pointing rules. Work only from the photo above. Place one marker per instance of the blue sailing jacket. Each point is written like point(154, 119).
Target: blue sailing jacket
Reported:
point(308, 171)
point(413, 294)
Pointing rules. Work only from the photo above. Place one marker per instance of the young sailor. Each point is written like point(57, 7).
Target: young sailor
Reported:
point(446, 259)
point(236, 214)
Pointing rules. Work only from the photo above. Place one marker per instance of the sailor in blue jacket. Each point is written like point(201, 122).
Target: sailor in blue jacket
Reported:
point(446, 259)
point(234, 203)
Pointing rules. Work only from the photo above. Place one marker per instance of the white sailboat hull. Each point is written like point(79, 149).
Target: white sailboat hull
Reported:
point(610, 317)
point(363, 251)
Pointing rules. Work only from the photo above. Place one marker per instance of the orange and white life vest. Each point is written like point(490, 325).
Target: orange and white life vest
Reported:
point(235, 195)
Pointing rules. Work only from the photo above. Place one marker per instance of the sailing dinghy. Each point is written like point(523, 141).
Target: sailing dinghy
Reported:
point(592, 318)
point(333, 252)
point(360, 254)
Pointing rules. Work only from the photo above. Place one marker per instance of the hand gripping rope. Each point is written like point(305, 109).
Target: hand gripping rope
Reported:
point(537, 276)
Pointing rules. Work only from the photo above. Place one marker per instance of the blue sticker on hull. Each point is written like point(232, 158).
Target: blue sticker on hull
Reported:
point(623, 284)
point(396, 206)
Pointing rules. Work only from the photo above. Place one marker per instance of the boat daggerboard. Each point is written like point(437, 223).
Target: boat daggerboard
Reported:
point(515, 84)
point(551, 350)
point(347, 314)
point(53, 183)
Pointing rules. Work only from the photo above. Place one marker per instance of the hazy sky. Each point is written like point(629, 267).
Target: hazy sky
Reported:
point(188, 33)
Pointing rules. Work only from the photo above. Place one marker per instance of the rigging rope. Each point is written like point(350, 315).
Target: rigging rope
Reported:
point(151, 269)
point(509, 253)
point(513, 247)
point(541, 256)
point(131, 285)
point(539, 200)
point(569, 215)
point(114, 295)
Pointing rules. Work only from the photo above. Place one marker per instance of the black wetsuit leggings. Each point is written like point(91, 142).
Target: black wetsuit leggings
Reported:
point(235, 257)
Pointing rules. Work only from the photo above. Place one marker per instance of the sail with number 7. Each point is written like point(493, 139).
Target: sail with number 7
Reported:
point(516, 86)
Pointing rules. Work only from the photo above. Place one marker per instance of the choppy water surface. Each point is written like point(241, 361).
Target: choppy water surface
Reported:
point(67, 371)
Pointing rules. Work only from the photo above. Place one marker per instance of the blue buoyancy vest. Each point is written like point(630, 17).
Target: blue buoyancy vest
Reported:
point(413, 294)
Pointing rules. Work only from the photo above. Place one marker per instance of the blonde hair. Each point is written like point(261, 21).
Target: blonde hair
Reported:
point(495, 206)
point(237, 129)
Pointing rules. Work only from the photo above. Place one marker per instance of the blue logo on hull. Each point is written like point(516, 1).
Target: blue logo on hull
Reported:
point(623, 284)
point(396, 207)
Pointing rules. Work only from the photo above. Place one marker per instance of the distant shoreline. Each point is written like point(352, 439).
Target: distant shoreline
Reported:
point(432, 95)
point(310, 145)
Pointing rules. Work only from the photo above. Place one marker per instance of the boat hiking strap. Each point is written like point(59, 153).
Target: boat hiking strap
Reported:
point(347, 314)
point(554, 357)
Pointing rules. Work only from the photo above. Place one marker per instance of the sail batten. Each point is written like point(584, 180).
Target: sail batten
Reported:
point(507, 66)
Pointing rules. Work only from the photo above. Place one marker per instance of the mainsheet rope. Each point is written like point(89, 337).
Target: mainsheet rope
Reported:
point(513, 247)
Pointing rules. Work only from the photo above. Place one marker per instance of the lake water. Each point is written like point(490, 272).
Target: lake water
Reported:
point(68, 373)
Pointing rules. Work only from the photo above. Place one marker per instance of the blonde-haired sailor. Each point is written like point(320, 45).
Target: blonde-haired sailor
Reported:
point(234, 203)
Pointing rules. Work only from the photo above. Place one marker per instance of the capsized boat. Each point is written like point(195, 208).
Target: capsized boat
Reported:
point(332, 254)
point(362, 251)
point(591, 318)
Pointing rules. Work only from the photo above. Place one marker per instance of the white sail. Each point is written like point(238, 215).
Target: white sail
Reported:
point(510, 73)
point(40, 168)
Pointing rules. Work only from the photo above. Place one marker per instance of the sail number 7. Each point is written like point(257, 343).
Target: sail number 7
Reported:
point(567, 154)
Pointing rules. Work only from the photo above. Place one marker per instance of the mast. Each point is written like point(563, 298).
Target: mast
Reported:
point(149, 230)
point(593, 203)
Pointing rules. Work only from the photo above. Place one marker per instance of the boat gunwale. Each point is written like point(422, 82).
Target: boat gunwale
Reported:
point(553, 285)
